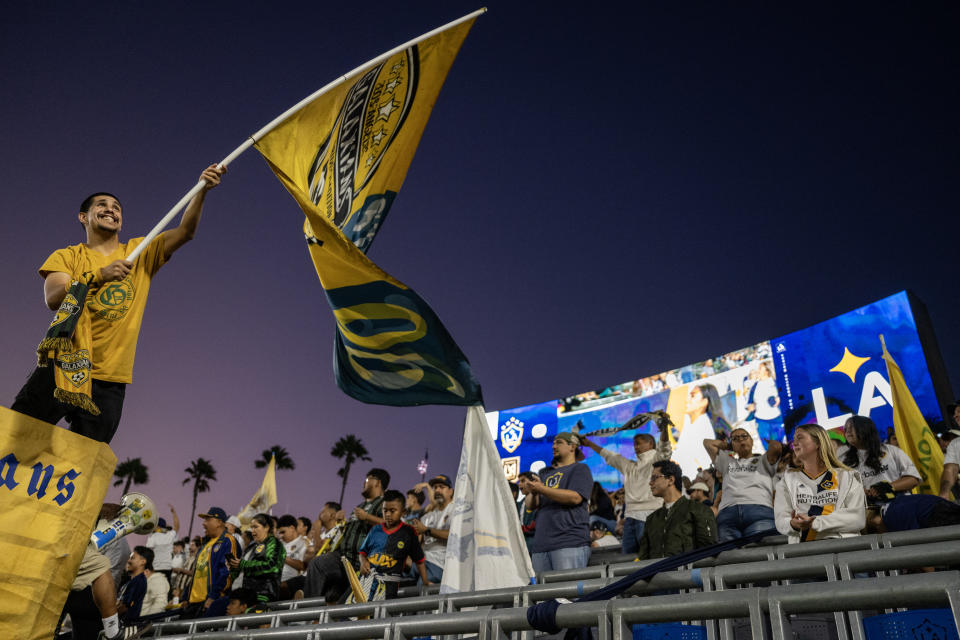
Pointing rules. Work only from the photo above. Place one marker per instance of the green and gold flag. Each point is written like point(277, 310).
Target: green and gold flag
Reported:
point(343, 157)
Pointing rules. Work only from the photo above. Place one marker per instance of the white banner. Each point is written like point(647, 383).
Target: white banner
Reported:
point(485, 549)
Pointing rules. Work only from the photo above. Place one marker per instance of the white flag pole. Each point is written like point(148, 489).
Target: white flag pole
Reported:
point(282, 117)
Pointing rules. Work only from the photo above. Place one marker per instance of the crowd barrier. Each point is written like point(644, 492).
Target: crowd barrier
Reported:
point(824, 560)
point(613, 619)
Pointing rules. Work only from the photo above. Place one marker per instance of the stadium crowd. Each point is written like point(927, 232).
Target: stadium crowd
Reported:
point(816, 488)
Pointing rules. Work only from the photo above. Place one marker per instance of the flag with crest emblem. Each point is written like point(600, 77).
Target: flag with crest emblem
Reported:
point(343, 157)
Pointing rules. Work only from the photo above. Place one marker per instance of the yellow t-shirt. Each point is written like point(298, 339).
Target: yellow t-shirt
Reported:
point(116, 308)
point(200, 573)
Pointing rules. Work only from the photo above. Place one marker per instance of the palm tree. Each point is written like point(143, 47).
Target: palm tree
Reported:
point(350, 449)
point(284, 461)
point(201, 473)
point(134, 471)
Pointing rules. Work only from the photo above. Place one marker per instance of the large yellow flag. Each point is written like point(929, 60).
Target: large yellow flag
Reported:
point(913, 433)
point(52, 484)
point(266, 495)
point(343, 157)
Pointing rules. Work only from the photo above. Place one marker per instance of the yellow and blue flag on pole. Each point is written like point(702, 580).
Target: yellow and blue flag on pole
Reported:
point(913, 434)
point(343, 157)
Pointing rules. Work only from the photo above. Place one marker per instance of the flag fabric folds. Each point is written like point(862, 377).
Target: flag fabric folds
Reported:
point(913, 434)
point(266, 495)
point(485, 549)
point(343, 157)
point(52, 483)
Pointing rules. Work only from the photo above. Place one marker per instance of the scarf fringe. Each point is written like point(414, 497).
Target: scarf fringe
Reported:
point(77, 400)
point(59, 345)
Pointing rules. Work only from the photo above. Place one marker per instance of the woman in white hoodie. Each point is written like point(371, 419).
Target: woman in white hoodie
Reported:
point(821, 497)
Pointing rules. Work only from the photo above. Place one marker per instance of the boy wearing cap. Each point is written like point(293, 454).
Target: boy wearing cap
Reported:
point(562, 538)
point(211, 578)
point(434, 526)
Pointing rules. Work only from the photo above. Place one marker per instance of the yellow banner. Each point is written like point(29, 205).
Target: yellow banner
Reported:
point(52, 485)
point(913, 434)
point(343, 157)
point(266, 495)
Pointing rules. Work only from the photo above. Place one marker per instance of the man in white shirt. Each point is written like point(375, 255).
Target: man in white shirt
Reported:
point(638, 500)
point(161, 543)
point(434, 526)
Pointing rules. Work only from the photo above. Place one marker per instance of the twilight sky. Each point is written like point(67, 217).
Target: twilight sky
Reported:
point(598, 196)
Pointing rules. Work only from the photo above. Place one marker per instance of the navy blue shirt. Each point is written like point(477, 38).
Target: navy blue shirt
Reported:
point(561, 526)
point(132, 595)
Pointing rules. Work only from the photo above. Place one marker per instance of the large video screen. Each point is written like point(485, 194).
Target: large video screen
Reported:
point(822, 374)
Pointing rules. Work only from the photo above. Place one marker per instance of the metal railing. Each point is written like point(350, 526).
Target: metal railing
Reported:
point(816, 560)
point(613, 618)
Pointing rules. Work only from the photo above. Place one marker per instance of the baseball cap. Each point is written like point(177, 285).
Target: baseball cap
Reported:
point(699, 485)
point(235, 521)
point(571, 438)
point(161, 523)
point(214, 512)
point(440, 478)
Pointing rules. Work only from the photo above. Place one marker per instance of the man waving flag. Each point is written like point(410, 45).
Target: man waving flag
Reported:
point(343, 157)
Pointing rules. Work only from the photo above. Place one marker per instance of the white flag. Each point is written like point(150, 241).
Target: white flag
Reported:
point(485, 549)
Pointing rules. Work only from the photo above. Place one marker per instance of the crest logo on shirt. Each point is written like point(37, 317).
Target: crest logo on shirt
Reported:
point(260, 548)
point(114, 300)
point(400, 545)
point(511, 434)
point(553, 480)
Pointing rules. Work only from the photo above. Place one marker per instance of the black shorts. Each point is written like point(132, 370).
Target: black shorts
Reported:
point(36, 400)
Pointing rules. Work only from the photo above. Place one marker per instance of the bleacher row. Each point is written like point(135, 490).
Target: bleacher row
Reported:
point(769, 590)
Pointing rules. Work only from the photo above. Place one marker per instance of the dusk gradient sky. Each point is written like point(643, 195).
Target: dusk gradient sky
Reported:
point(604, 191)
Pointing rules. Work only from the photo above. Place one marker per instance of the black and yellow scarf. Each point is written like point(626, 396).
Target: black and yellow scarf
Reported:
point(67, 344)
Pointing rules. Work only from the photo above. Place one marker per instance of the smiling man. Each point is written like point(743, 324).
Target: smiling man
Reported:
point(114, 305)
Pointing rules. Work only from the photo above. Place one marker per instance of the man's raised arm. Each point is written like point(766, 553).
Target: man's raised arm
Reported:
point(175, 238)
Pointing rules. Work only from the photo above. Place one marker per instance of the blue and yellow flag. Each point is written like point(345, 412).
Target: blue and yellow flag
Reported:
point(343, 157)
point(913, 434)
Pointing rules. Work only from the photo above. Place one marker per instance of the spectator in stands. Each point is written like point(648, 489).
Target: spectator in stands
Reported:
point(303, 528)
point(325, 576)
point(183, 575)
point(243, 600)
point(746, 506)
point(211, 576)
point(414, 507)
point(161, 543)
point(908, 511)
point(262, 562)
point(698, 493)
point(295, 548)
point(562, 537)
point(601, 508)
point(233, 528)
point(951, 458)
point(434, 526)
point(602, 538)
point(157, 589)
point(885, 470)
point(130, 598)
point(389, 544)
point(822, 498)
point(680, 524)
point(527, 508)
point(639, 502)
